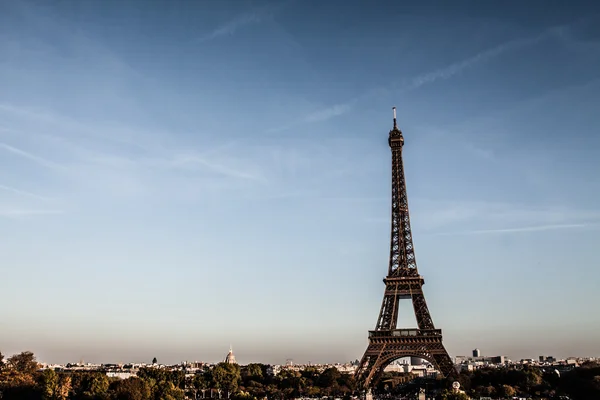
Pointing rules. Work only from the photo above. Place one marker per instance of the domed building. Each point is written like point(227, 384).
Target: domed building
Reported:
point(230, 358)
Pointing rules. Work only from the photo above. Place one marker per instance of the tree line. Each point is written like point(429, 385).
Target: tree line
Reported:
point(22, 378)
point(582, 383)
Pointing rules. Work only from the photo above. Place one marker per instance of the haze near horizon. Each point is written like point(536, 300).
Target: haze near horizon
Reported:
point(183, 176)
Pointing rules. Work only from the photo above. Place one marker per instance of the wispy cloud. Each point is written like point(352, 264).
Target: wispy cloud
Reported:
point(439, 74)
point(71, 127)
point(22, 153)
point(251, 18)
point(473, 218)
point(232, 26)
point(94, 151)
point(16, 212)
point(23, 193)
point(186, 160)
point(328, 113)
point(480, 152)
point(483, 56)
point(435, 214)
point(538, 228)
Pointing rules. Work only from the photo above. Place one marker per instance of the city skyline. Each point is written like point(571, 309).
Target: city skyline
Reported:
point(183, 177)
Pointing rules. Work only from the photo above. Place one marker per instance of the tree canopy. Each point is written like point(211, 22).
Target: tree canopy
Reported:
point(22, 378)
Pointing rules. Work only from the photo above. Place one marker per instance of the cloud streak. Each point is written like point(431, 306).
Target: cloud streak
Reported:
point(525, 229)
point(486, 55)
point(15, 212)
point(328, 113)
point(24, 154)
point(23, 192)
point(229, 28)
point(191, 160)
point(251, 18)
point(440, 74)
point(78, 129)
point(441, 218)
point(85, 153)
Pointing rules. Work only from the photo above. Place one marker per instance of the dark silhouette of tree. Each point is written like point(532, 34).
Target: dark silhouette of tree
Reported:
point(54, 386)
point(507, 391)
point(582, 383)
point(48, 383)
point(226, 377)
point(130, 389)
point(154, 361)
point(166, 390)
point(329, 377)
point(90, 386)
point(24, 362)
point(252, 371)
point(21, 378)
point(449, 395)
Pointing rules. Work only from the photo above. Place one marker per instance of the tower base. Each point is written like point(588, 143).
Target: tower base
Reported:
point(387, 346)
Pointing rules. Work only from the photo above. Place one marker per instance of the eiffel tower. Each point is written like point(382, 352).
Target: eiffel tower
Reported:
point(388, 343)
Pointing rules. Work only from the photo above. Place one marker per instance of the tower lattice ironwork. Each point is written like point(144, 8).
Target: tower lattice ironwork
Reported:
point(388, 343)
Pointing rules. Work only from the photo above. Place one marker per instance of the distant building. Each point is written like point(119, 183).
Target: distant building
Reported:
point(476, 353)
point(230, 358)
point(120, 375)
point(498, 359)
point(460, 359)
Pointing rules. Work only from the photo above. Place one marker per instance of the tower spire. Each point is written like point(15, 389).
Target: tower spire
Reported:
point(395, 125)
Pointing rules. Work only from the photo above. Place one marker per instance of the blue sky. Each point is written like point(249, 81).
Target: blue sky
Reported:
point(183, 176)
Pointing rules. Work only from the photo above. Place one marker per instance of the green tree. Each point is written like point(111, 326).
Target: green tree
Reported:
point(130, 389)
point(313, 391)
point(53, 386)
point(199, 382)
point(291, 382)
point(63, 388)
point(90, 385)
point(253, 371)
point(581, 383)
point(311, 374)
point(97, 385)
point(243, 396)
point(329, 377)
point(48, 383)
point(507, 391)
point(488, 391)
point(17, 377)
point(24, 362)
point(273, 392)
point(226, 377)
point(450, 395)
point(165, 390)
point(533, 378)
point(328, 382)
point(157, 374)
point(347, 383)
point(17, 386)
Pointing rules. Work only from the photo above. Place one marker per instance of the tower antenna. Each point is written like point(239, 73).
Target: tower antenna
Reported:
point(395, 126)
